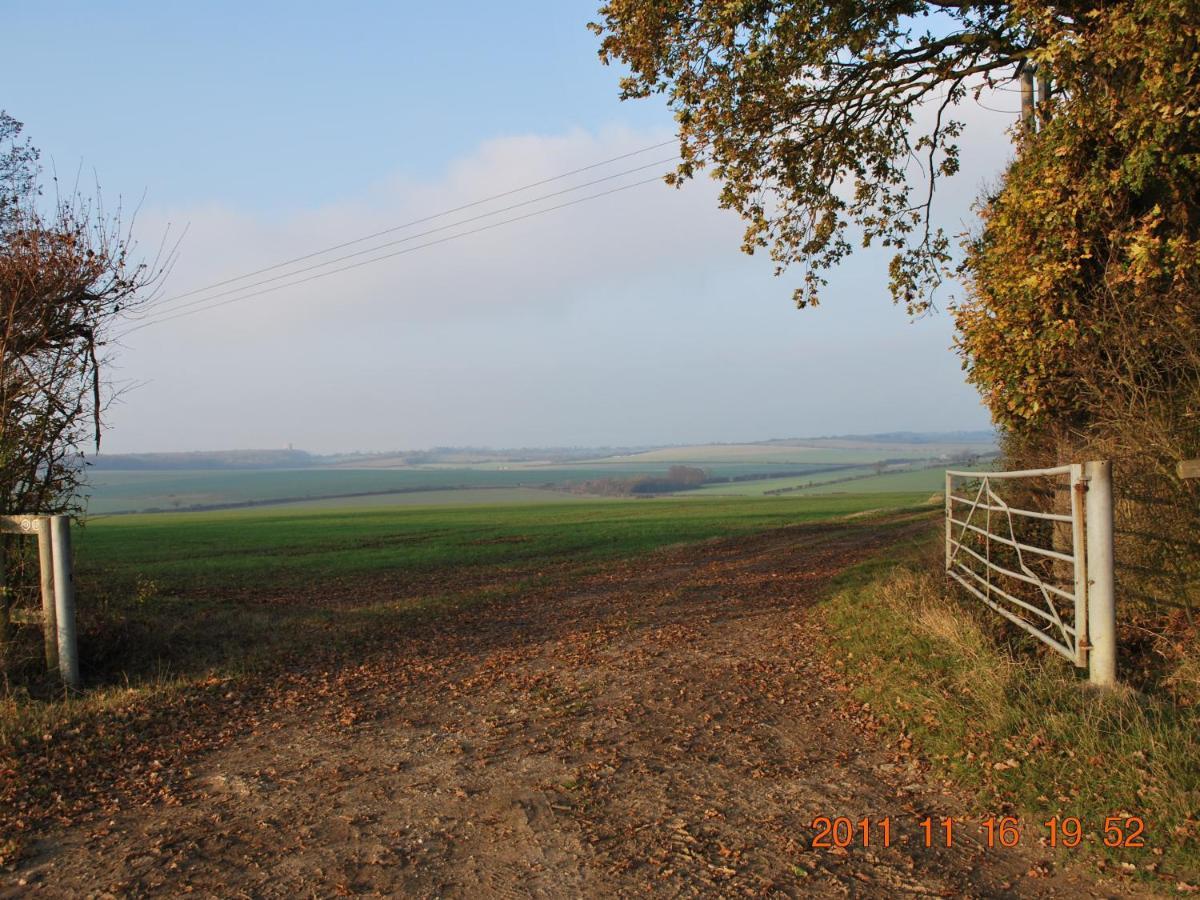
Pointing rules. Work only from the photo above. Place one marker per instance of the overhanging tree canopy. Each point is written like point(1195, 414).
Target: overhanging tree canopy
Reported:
point(1083, 309)
point(805, 112)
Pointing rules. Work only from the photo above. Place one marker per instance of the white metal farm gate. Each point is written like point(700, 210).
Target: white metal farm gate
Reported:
point(1062, 593)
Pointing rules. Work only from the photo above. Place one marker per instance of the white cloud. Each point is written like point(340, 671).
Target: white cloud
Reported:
point(629, 318)
point(540, 260)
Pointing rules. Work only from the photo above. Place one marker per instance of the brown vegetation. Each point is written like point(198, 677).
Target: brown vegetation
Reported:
point(678, 478)
point(65, 279)
point(1082, 328)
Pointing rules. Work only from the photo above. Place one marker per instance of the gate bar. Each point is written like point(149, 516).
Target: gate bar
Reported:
point(1016, 473)
point(1020, 576)
point(1012, 617)
point(1054, 517)
point(1041, 613)
point(1054, 554)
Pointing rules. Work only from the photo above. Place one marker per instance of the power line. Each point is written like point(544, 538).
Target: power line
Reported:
point(395, 253)
point(407, 250)
point(1009, 112)
point(159, 307)
point(423, 219)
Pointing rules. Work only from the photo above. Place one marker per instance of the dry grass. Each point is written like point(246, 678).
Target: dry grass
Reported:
point(1021, 727)
point(1184, 679)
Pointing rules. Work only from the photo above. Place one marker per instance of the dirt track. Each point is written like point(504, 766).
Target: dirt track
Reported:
point(666, 726)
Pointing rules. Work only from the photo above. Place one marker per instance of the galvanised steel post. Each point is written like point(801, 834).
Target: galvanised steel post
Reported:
point(949, 516)
point(64, 600)
point(1101, 595)
point(49, 614)
point(1079, 551)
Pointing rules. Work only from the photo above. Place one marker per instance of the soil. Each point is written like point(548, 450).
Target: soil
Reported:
point(665, 726)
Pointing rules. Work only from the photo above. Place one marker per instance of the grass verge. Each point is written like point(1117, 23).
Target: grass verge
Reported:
point(1020, 728)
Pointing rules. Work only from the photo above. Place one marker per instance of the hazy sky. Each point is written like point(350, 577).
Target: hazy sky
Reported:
point(275, 129)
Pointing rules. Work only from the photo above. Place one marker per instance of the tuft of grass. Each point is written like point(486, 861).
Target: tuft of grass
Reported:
point(1020, 727)
point(1184, 681)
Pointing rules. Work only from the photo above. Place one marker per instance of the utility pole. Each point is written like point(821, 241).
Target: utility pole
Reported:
point(1027, 94)
point(1043, 100)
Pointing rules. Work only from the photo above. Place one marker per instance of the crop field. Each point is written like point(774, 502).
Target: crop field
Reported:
point(749, 470)
point(191, 594)
point(289, 546)
point(484, 496)
point(924, 480)
point(850, 480)
point(153, 491)
point(759, 488)
point(787, 453)
point(166, 490)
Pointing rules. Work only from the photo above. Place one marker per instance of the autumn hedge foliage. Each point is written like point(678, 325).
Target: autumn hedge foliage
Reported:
point(1084, 311)
point(1082, 324)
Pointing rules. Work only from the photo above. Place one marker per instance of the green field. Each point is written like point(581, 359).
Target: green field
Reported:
point(858, 480)
point(119, 491)
point(113, 492)
point(184, 594)
point(166, 490)
point(287, 545)
point(759, 488)
point(500, 496)
point(925, 481)
point(374, 482)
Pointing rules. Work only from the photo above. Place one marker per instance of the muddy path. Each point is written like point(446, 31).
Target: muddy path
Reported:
point(664, 726)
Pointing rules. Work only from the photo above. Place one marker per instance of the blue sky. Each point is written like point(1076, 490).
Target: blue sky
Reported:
point(278, 106)
point(272, 129)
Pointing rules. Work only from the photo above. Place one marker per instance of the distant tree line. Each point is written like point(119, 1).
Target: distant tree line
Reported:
point(788, 473)
point(207, 460)
point(678, 478)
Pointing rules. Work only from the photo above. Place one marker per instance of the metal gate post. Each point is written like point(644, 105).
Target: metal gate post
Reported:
point(1079, 551)
point(64, 600)
point(949, 516)
point(46, 572)
point(1101, 597)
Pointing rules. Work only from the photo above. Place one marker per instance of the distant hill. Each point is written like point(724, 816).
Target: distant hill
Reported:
point(944, 441)
point(300, 459)
point(921, 437)
point(207, 459)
